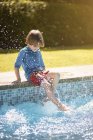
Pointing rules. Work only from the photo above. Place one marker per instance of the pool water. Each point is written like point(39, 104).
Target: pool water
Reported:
point(33, 121)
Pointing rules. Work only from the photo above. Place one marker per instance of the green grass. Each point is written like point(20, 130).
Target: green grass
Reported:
point(52, 58)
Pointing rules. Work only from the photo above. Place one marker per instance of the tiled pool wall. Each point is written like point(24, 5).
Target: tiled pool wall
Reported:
point(75, 89)
point(65, 88)
point(19, 95)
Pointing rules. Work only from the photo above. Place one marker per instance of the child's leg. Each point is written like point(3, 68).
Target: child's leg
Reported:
point(47, 87)
point(54, 78)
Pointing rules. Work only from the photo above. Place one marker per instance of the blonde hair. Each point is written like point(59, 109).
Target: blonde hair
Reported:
point(35, 36)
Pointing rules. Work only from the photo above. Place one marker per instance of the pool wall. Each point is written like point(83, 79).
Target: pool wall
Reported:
point(16, 94)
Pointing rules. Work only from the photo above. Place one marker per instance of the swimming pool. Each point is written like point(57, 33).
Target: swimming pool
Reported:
point(23, 116)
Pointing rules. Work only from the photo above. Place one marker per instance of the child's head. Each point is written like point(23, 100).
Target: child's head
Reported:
point(35, 38)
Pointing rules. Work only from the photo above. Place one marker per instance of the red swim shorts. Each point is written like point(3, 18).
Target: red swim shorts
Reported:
point(35, 79)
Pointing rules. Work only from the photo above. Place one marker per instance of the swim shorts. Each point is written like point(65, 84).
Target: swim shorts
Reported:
point(36, 80)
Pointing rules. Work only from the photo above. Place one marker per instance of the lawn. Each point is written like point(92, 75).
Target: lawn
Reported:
point(52, 58)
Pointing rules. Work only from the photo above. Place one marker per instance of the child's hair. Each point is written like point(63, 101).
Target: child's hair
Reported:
point(35, 36)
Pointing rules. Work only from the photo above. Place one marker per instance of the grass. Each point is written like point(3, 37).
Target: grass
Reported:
point(52, 58)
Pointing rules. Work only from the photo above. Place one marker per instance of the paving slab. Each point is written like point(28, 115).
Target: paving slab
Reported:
point(6, 78)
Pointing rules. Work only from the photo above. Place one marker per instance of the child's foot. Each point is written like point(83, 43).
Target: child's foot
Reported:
point(64, 107)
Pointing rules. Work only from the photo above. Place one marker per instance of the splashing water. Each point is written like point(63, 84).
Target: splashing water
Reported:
point(33, 121)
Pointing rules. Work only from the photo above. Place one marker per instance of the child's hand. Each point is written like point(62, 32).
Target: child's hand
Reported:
point(46, 72)
point(39, 75)
point(16, 82)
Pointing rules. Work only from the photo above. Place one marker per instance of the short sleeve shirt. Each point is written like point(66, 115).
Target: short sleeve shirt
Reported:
point(30, 61)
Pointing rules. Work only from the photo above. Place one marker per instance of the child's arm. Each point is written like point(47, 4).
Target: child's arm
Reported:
point(17, 74)
point(17, 65)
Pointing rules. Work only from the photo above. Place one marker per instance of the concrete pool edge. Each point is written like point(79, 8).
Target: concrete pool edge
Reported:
point(27, 84)
point(68, 74)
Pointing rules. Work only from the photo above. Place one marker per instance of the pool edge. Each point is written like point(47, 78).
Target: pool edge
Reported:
point(27, 84)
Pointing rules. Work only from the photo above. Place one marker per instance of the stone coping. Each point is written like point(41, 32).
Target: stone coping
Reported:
point(68, 74)
point(27, 84)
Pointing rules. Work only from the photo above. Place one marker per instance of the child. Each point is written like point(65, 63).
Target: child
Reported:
point(31, 60)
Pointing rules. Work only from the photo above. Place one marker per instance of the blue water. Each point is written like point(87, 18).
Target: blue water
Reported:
point(31, 121)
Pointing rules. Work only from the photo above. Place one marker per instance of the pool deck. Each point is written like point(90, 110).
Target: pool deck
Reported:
point(66, 73)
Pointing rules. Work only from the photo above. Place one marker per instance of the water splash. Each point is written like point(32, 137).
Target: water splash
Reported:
point(31, 120)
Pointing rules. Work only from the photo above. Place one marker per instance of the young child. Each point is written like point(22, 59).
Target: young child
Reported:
point(31, 60)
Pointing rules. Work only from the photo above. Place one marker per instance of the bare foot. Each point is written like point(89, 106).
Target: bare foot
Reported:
point(63, 107)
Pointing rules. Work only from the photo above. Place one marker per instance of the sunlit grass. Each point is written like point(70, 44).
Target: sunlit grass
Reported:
point(63, 58)
point(54, 58)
